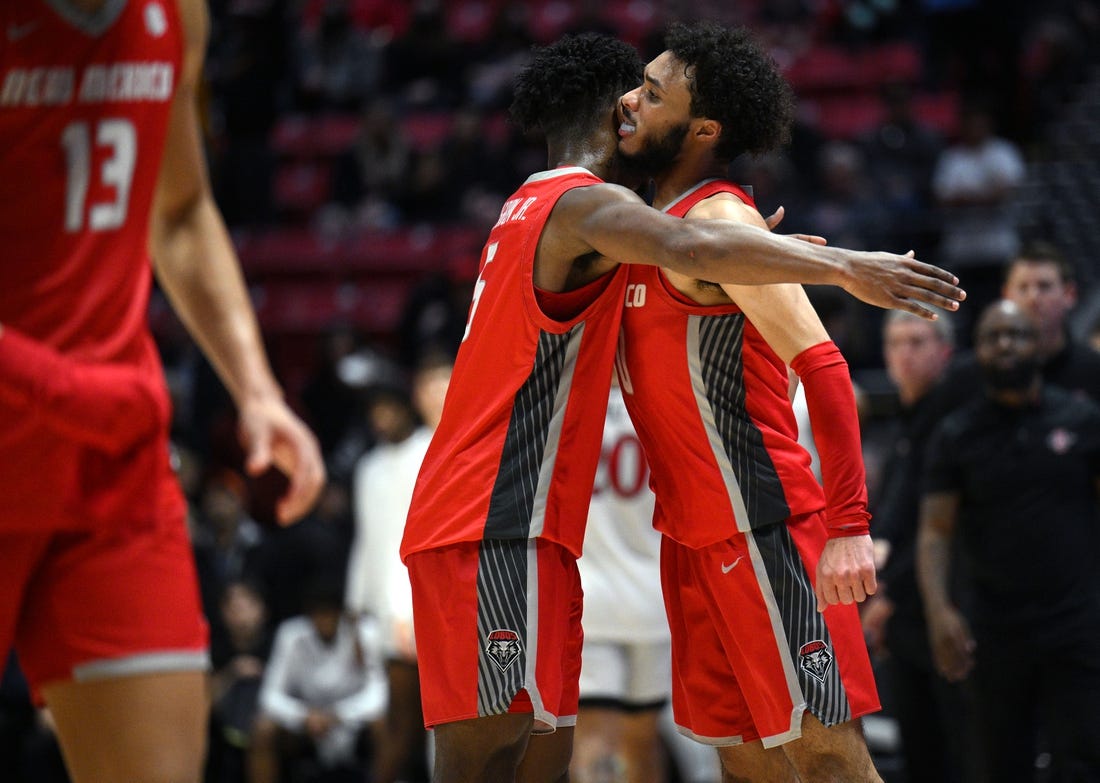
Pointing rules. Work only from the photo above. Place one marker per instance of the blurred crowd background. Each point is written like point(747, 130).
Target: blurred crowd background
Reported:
point(360, 150)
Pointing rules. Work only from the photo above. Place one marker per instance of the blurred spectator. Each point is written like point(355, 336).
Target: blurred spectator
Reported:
point(238, 657)
point(323, 687)
point(1044, 284)
point(1055, 54)
point(933, 714)
point(247, 72)
point(332, 395)
point(847, 211)
point(501, 56)
point(292, 558)
point(476, 167)
point(425, 66)
point(901, 154)
point(1014, 479)
point(434, 316)
point(371, 176)
point(378, 583)
point(974, 181)
point(383, 17)
point(337, 64)
point(430, 195)
point(226, 541)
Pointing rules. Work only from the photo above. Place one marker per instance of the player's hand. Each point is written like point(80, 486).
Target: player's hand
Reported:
point(273, 436)
point(846, 571)
point(952, 643)
point(775, 218)
point(900, 282)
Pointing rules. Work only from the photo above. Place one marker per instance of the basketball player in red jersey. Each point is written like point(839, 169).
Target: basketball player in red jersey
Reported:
point(761, 569)
point(99, 146)
point(498, 512)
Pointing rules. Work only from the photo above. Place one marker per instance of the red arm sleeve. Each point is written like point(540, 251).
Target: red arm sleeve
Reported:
point(110, 407)
point(832, 405)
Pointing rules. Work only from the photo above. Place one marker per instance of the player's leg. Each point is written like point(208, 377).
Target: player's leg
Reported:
point(495, 627)
point(485, 748)
point(112, 636)
point(837, 754)
point(751, 761)
point(141, 729)
point(557, 667)
point(708, 687)
point(547, 757)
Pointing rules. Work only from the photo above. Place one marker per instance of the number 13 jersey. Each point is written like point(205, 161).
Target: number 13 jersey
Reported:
point(84, 107)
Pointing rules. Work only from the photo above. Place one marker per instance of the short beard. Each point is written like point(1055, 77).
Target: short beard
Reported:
point(1017, 377)
point(657, 155)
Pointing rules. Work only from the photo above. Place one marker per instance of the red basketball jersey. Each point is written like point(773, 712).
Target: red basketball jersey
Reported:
point(708, 397)
point(515, 454)
point(84, 105)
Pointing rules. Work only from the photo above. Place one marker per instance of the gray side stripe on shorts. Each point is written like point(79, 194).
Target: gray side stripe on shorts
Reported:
point(501, 613)
point(825, 695)
point(145, 663)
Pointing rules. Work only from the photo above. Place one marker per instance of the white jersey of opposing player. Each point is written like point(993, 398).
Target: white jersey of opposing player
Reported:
point(378, 582)
point(620, 566)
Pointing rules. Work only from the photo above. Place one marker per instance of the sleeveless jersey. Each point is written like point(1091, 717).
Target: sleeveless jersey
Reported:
point(709, 399)
point(516, 451)
point(84, 106)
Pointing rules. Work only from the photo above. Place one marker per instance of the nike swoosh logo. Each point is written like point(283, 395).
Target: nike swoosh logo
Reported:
point(17, 31)
point(727, 568)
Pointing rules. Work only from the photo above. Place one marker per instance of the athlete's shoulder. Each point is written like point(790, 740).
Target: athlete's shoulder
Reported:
point(725, 204)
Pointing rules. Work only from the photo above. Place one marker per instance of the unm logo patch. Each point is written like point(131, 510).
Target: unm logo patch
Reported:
point(815, 659)
point(503, 646)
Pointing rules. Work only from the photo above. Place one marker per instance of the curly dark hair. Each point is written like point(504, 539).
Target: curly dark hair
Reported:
point(734, 81)
point(569, 87)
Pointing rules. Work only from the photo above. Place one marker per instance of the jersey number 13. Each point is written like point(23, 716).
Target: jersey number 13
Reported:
point(119, 140)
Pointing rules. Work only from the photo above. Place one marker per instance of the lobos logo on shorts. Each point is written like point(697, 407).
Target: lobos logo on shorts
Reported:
point(815, 659)
point(503, 647)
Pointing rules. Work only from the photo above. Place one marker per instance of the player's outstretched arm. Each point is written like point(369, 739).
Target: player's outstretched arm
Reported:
point(616, 223)
point(198, 269)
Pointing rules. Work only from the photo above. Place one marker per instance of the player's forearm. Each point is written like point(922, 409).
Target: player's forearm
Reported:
point(197, 267)
point(831, 402)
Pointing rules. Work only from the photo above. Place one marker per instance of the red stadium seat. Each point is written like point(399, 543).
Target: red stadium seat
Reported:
point(823, 69)
point(548, 19)
point(426, 130)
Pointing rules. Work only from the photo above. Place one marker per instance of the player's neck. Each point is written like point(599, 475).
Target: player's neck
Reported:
point(597, 158)
point(681, 176)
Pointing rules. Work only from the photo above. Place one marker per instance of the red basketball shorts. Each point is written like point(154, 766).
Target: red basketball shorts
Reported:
point(498, 629)
point(103, 601)
point(750, 651)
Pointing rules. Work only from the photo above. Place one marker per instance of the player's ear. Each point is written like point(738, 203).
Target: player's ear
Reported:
point(708, 130)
